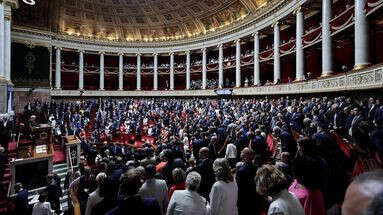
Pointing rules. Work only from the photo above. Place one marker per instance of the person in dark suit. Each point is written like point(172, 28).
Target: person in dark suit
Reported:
point(358, 117)
point(372, 107)
point(87, 185)
point(245, 181)
point(340, 119)
point(287, 140)
point(21, 200)
point(205, 169)
point(3, 166)
point(54, 192)
point(133, 203)
point(5, 131)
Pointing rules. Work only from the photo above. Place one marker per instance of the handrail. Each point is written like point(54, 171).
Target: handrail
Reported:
point(70, 160)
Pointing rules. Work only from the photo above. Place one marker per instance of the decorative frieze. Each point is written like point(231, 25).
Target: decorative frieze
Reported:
point(360, 80)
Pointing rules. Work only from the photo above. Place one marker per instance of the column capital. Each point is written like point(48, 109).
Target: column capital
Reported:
point(297, 10)
point(255, 34)
point(58, 47)
point(237, 40)
point(138, 54)
point(171, 53)
point(155, 54)
point(203, 49)
point(220, 45)
point(120, 54)
point(101, 52)
point(275, 23)
point(187, 52)
point(80, 50)
point(14, 4)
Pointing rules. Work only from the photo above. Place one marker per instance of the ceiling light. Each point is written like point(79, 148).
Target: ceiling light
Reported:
point(29, 2)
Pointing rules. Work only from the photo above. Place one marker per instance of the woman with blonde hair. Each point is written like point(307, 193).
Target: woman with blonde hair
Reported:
point(270, 182)
point(224, 193)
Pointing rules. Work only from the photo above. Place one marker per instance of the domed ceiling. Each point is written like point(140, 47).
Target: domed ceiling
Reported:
point(134, 20)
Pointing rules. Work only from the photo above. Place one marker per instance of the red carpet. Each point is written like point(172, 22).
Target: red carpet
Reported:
point(58, 155)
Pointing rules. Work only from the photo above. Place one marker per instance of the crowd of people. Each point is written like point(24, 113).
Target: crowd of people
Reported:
point(282, 155)
point(210, 84)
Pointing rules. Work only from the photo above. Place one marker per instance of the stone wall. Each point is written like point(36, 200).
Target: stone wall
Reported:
point(25, 95)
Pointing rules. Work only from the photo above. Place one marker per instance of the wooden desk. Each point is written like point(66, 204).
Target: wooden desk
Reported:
point(72, 151)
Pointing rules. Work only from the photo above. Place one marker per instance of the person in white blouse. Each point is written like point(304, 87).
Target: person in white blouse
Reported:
point(224, 193)
point(189, 202)
point(231, 154)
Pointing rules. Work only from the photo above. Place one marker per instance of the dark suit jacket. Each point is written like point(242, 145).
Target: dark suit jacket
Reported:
point(288, 143)
point(205, 169)
point(21, 203)
point(137, 205)
point(246, 188)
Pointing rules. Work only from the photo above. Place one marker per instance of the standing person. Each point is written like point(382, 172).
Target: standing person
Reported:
point(231, 154)
point(179, 176)
point(133, 203)
point(271, 183)
point(224, 193)
point(3, 166)
point(246, 186)
point(21, 200)
point(155, 188)
point(205, 168)
point(5, 131)
point(307, 184)
point(98, 195)
point(189, 202)
point(86, 185)
point(42, 207)
point(54, 193)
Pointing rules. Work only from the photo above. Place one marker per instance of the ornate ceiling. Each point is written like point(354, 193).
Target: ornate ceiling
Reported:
point(135, 20)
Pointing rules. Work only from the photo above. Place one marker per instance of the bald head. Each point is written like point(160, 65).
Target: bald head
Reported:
point(361, 192)
point(204, 153)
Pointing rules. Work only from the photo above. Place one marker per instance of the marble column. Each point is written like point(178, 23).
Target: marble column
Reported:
point(257, 71)
point(187, 70)
point(155, 74)
point(171, 71)
point(204, 78)
point(7, 42)
point(2, 24)
point(102, 71)
point(58, 68)
point(120, 71)
point(220, 65)
point(81, 70)
point(138, 84)
point(327, 65)
point(299, 66)
point(238, 63)
point(361, 35)
point(277, 59)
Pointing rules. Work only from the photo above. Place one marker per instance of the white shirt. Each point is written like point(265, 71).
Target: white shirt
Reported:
point(42, 208)
point(231, 151)
point(287, 204)
point(223, 198)
point(155, 188)
point(186, 202)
